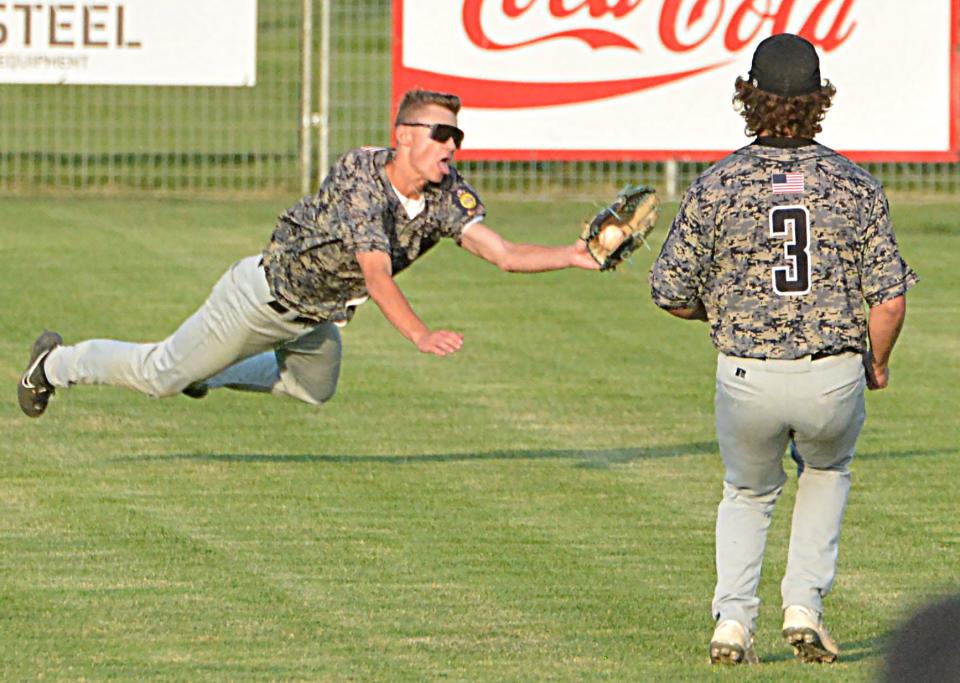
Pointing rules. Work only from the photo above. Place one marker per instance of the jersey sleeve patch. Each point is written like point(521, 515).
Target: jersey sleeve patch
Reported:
point(467, 201)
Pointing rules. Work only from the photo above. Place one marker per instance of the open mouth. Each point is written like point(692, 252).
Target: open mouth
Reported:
point(444, 165)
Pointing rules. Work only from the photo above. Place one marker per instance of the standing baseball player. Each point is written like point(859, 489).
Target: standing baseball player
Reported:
point(271, 322)
point(777, 247)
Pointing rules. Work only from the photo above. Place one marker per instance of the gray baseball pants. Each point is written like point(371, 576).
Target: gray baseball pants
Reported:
point(234, 340)
point(760, 407)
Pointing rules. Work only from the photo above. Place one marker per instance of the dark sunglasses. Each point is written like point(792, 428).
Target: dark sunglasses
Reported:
point(441, 132)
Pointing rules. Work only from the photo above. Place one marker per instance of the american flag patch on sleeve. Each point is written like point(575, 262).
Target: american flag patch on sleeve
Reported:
point(787, 183)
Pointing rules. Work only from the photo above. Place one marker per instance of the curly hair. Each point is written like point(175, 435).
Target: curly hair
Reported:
point(792, 117)
point(415, 100)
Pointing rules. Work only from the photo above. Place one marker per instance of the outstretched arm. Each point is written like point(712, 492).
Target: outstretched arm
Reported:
point(886, 321)
point(378, 274)
point(512, 257)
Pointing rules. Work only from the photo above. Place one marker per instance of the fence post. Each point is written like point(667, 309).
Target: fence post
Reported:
point(670, 172)
point(323, 119)
point(306, 94)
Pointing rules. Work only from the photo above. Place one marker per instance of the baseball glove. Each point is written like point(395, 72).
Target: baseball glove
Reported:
point(619, 228)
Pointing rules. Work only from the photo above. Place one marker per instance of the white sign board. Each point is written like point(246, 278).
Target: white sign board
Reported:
point(129, 42)
point(653, 79)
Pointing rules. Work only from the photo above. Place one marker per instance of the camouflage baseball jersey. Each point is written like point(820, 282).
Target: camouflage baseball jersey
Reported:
point(782, 244)
point(310, 260)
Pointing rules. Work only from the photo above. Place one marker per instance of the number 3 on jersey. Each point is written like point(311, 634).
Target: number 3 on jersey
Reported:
point(792, 224)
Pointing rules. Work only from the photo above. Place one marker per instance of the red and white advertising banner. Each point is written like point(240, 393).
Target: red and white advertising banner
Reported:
point(653, 79)
point(129, 42)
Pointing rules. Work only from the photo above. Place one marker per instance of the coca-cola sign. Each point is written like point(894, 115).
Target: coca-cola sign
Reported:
point(652, 79)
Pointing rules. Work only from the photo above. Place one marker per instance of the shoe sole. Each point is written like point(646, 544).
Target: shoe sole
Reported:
point(729, 653)
point(808, 646)
point(32, 402)
point(196, 390)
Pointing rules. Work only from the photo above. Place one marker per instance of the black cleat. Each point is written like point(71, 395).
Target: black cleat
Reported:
point(34, 391)
point(196, 390)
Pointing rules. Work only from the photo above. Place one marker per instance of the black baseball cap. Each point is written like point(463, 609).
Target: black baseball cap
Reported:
point(786, 65)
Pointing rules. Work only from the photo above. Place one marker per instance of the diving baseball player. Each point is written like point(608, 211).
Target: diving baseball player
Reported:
point(778, 246)
point(271, 322)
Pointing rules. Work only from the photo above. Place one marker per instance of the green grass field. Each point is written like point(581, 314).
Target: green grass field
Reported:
point(539, 506)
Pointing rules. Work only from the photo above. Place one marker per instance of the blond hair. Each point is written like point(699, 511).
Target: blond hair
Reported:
point(415, 100)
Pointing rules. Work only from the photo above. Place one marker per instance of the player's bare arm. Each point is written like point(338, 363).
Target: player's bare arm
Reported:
point(378, 274)
point(886, 321)
point(515, 257)
point(695, 312)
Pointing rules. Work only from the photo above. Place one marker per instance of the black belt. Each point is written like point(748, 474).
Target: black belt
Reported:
point(826, 354)
point(283, 310)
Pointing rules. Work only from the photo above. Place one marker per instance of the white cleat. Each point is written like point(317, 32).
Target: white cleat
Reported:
point(804, 630)
point(732, 644)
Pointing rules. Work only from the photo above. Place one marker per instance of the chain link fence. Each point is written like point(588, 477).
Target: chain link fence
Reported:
point(168, 138)
point(240, 140)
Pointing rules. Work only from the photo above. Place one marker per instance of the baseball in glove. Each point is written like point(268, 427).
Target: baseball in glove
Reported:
point(619, 228)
